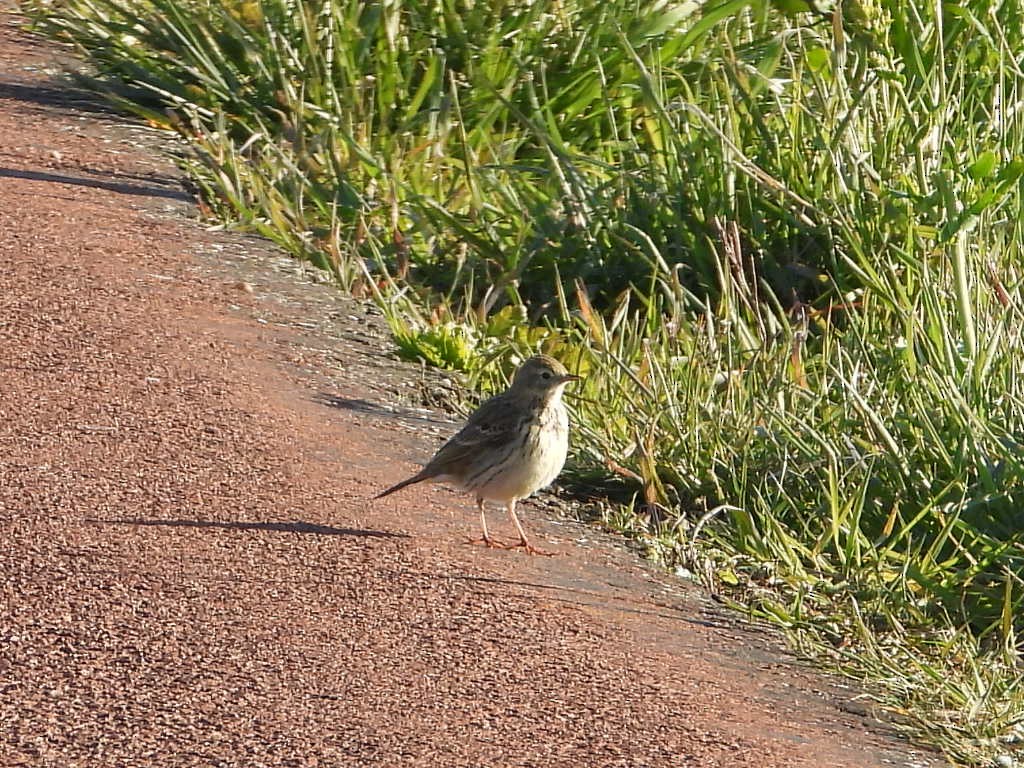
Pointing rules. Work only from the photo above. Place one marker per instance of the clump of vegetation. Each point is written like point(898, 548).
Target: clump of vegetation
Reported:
point(784, 245)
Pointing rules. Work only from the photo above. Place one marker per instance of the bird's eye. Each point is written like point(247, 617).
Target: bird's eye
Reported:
point(546, 375)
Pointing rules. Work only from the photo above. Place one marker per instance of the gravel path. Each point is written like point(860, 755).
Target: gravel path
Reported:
point(192, 572)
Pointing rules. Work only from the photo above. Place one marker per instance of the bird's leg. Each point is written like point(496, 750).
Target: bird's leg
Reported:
point(523, 541)
point(487, 541)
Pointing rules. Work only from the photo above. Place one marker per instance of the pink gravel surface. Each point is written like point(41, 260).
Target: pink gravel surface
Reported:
point(192, 571)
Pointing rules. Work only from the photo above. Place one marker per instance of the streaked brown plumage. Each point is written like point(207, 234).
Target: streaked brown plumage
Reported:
point(512, 445)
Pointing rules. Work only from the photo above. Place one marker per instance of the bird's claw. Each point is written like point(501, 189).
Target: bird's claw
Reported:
point(487, 541)
point(530, 549)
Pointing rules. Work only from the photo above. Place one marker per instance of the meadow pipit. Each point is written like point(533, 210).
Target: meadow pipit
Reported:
point(512, 445)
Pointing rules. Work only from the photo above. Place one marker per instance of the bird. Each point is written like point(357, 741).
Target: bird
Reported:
point(514, 444)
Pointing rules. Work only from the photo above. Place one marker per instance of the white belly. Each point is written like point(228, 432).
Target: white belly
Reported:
point(537, 462)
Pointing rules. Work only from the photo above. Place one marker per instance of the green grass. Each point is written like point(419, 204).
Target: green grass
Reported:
point(784, 247)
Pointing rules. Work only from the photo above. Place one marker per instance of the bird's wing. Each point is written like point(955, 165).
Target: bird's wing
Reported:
point(489, 427)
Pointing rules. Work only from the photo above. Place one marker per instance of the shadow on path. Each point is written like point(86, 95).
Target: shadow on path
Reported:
point(124, 189)
point(63, 95)
point(280, 527)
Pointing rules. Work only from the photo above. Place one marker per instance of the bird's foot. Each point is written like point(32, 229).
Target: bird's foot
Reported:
point(530, 549)
point(488, 541)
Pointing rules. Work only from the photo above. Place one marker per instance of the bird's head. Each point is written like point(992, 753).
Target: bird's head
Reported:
point(543, 375)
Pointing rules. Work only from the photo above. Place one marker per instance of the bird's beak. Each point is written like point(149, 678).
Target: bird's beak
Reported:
point(570, 377)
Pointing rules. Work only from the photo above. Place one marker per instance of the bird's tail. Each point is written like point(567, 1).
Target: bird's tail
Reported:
point(419, 477)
